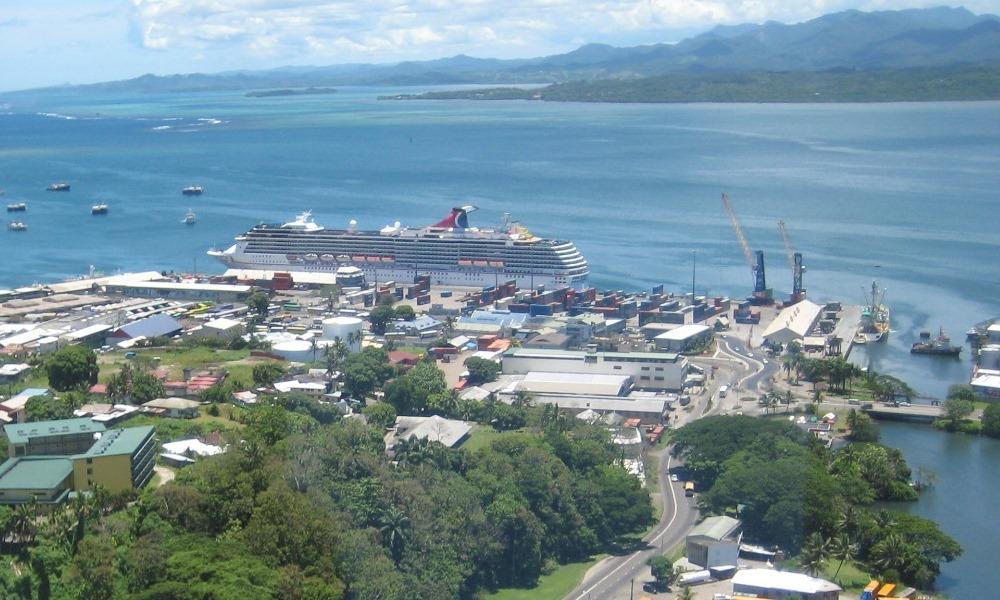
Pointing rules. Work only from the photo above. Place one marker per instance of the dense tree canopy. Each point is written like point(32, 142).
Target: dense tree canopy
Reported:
point(72, 367)
point(791, 491)
point(320, 512)
point(481, 370)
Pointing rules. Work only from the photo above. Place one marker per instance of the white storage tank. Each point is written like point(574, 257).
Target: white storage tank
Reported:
point(296, 351)
point(347, 329)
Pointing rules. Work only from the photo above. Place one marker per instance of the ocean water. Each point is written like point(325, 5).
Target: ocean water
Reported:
point(906, 194)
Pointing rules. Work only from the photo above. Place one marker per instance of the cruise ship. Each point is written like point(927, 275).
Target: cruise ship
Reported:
point(451, 252)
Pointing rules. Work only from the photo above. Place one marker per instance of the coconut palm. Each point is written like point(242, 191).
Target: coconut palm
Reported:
point(843, 550)
point(814, 553)
point(394, 527)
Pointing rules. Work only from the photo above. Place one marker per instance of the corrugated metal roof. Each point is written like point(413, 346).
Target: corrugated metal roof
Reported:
point(120, 441)
point(717, 528)
point(22, 432)
point(153, 326)
point(34, 472)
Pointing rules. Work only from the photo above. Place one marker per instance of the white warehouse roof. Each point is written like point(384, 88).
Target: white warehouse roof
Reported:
point(783, 580)
point(684, 332)
point(795, 319)
point(575, 383)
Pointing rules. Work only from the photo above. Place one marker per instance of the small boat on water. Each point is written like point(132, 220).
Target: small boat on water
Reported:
point(193, 190)
point(189, 218)
point(58, 187)
point(17, 226)
point(17, 207)
point(99, 209)
point(939, 346)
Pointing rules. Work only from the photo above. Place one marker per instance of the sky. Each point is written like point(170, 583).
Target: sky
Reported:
point(51, 42)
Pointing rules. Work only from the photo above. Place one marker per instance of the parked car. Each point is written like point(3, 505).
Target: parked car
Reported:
point(674, 477)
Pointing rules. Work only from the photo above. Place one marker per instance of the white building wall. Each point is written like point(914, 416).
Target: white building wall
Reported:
point(646, 374)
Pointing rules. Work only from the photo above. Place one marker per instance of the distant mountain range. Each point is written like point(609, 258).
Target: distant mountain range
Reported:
point(853, 40)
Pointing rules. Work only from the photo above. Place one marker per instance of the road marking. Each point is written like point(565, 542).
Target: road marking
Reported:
point(666, 528)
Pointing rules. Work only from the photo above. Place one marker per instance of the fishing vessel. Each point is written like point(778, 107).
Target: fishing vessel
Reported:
point(189, 218)
point(940, 346)
point(450, 252)
point(193, 190)
point(99, 209)
point(17, 226)
point(58, 187)
point(875, 317)
point(17, 207)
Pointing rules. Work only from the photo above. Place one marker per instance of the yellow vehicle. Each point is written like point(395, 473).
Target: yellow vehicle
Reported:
point(689, 488)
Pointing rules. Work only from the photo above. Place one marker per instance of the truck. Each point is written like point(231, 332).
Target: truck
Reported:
point(689, 489)
point(723, 391)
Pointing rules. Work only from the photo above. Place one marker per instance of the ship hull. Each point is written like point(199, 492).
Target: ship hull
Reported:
point(459, 277)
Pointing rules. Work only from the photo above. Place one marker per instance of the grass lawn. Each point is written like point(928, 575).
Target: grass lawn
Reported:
point(852, 576)
point(481, 436)
point(556, 585)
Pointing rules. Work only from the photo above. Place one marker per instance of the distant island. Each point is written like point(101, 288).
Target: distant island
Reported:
point(837, 85)
point(290, 92)
point(767, 62)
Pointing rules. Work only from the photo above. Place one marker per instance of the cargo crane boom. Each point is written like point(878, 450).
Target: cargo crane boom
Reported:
point(795, 262)
point(755, 259)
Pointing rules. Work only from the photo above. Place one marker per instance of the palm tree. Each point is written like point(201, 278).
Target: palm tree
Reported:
point(686, 593)
point(23, 526)
point(814, 553)
point(394, 525)
point(889, 552)
point(843, 550)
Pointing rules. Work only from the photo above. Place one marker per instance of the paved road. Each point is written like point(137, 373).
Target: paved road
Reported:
point(613, 576)
point(679, 515)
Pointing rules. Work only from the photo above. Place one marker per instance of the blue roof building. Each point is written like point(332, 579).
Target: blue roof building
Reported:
point(154, 326)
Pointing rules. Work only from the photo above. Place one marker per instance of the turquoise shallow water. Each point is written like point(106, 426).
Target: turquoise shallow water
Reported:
point(905, 193)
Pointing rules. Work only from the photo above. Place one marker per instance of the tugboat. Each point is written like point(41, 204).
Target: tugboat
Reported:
point(99, 209)
point(189, 218)
point(18, 207)
point(17, 226)
point(58, 187)
point(193, 190)
point(939, 346)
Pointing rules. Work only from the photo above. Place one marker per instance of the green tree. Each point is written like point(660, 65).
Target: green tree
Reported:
point(814, 553)
point(686, 593)
point(962, 391)
point(991, 420)
point(481, 370)
point(662, 570)
point(72, 367)
point(380, 414)
point(380, 317)
point(394, 527)
point(49, 408)
point(404, 312)
point(265, 374)
point(843, 550)
point(258, 302)
point(957, 409)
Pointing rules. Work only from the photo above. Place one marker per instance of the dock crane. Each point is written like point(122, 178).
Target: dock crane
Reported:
point(755, 258)
point(795, 262)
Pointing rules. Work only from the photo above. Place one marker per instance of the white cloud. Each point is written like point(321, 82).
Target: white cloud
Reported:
point(388, 30)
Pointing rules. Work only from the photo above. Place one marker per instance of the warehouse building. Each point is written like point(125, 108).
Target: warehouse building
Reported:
point(649, 370)
point(683, 338)
point(793, 323)
point(715, 542)
point(782, 585)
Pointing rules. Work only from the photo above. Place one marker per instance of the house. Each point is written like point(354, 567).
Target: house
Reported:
point(779, 585)
point(15, 409)
point(14, 372)
point(106, 413)
point(422, 326)
point(400, 358)
point(449, 432)
point(180, 408)
point(155, 326)
point(312, 388)
point(715, 542)
point(245, 398)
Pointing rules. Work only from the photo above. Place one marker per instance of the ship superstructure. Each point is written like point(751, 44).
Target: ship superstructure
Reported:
point(451, 252)
point(875, 317)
